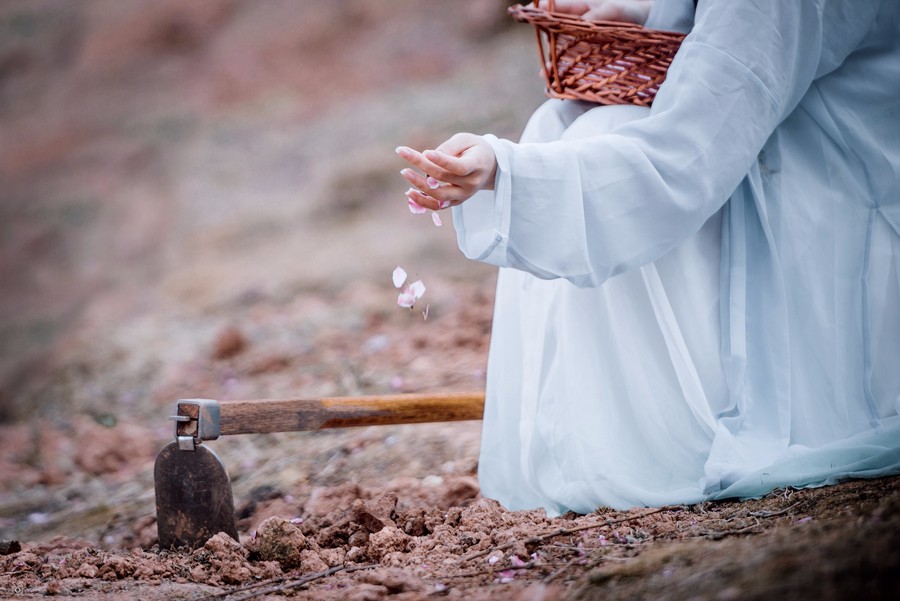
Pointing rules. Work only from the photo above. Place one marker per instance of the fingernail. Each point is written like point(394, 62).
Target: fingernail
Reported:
point(399, 149)
point(432, 183)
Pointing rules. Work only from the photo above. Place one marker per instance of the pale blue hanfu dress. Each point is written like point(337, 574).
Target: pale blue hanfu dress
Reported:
point(702, 300)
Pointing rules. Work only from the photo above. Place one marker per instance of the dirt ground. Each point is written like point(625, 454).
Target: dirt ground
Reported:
point(201, 199)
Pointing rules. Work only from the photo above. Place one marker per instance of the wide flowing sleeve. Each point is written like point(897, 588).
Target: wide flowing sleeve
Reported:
point(587, 209)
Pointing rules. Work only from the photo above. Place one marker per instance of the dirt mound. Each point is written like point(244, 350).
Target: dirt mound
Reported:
point(378, 547)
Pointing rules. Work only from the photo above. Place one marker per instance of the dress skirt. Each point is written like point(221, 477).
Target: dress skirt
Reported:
point(622, 394)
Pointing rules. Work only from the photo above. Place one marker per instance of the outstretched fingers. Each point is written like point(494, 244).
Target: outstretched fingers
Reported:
point(431, 188)
point(421, 162)
point(451, 173)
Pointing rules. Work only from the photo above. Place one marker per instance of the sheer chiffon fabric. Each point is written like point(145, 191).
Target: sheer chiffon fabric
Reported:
point(702, 300)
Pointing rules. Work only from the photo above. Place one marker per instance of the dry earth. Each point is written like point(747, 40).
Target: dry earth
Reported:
point(200, 199)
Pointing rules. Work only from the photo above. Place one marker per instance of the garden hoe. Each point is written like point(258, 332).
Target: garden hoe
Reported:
point(193, 493)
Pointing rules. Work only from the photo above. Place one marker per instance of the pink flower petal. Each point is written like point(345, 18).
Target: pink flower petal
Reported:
point(444, 204)
point(411, 293)
point(516, 562)
point(432, 183)
point(506, 576)
point(436, 219)
point(399, 276)
point(414, 207)
point(406, 299)
point(417, 289)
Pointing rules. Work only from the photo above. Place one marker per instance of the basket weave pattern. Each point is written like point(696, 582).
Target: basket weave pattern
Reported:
point(599, 61)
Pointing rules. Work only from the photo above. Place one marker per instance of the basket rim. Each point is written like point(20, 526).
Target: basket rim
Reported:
point(531, 13)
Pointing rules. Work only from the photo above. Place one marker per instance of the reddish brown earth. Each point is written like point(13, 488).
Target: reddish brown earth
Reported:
point(200, 199)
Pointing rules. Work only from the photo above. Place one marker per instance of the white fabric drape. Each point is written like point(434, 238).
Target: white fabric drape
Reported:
point(702, 300)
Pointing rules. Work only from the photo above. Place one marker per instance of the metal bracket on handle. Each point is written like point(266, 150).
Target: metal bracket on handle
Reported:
point(195, 420)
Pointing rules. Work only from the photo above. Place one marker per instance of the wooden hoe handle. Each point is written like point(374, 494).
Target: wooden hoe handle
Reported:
point(295, 415)
point(205, 419)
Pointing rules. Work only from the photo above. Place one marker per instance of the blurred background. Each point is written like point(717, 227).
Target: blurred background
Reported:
point(201, 199)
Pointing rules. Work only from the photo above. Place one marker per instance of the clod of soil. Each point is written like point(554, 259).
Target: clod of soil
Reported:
point(278, 539)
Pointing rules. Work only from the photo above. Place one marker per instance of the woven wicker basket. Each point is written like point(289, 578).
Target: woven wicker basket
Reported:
point(599, 61)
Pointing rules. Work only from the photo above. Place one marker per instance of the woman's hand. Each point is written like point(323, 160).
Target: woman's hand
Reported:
point(632, 11)
point(451, 173)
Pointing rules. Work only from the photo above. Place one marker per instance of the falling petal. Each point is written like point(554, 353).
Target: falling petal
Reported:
point(417, 289)
point(425, 312)
point(399, 277)
point(436, 219)
point(432, 183)
point(406, 299)
point(415, 208)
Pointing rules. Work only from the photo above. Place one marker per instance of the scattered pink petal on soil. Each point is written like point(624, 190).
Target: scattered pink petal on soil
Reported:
point(516, 562)
point(506, 576)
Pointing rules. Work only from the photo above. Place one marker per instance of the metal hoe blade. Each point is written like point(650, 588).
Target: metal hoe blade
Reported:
point(193, 497)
